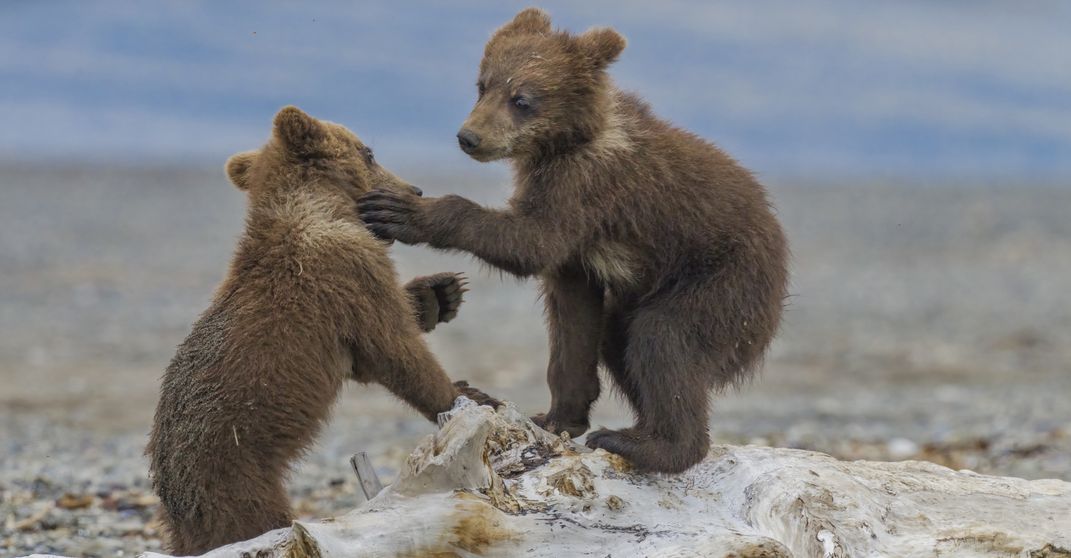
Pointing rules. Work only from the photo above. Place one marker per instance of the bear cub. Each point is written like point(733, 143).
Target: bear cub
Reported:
point(658, 255)
point(311, 299)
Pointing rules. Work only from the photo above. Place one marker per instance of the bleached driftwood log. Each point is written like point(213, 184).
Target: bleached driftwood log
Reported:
point(493, 484)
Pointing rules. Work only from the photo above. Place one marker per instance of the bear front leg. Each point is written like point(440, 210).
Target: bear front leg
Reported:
point(406, 367)
point(574, 307)
point(515, 242)
point(436, 298)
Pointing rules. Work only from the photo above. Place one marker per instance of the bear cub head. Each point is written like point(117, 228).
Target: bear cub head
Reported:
point(304, 151)
point(540, 91)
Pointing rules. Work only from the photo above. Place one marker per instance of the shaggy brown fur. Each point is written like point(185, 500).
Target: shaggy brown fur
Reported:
point(659, 255)
point(311, 299)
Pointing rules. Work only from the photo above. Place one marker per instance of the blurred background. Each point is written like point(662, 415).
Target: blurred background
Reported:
point(918, 153)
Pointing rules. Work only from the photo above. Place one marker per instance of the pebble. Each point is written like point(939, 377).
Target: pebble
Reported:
point(901, 448)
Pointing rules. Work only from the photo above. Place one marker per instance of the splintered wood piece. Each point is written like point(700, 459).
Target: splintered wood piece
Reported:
point(366, 474)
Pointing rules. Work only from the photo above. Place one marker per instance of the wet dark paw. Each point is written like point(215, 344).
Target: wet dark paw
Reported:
point(613, 441)
point(392, 215)
point(481, 398)
point(557, 426)
point(647, 453)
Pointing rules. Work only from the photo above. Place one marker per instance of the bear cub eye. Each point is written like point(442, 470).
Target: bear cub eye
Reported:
point(480, 89)
point(521, 102)
point(369, 157)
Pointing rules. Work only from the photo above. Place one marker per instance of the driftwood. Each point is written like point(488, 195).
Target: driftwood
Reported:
point(493, 484)
point(366, 475)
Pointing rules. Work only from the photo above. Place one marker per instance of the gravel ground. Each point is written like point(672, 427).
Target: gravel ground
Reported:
point(927, 322)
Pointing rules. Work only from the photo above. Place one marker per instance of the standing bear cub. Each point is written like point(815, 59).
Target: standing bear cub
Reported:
point(659, 255)
point(311, 299)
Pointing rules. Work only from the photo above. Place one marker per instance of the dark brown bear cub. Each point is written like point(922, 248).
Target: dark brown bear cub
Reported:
point(659, 255)
point(311, 298)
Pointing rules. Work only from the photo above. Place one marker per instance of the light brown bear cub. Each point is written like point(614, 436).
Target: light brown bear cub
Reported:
point(311, 299)
point(659, 255)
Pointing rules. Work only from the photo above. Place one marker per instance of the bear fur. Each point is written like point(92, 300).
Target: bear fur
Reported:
point(659, 256)
point(311, 299)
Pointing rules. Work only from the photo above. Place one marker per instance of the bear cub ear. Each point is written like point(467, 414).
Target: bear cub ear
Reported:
point(299, 133)
point(528, 21)
point(238, 167)
point(602, 45)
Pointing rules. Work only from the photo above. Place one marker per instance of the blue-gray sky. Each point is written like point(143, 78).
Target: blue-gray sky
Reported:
point(953, 89)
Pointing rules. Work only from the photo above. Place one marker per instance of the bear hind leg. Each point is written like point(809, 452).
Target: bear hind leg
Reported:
point(613, 350)
point(667, 380)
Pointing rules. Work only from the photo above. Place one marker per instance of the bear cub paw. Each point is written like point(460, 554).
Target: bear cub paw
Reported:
point(557, 426)
point(437, 298)
point(481, 398)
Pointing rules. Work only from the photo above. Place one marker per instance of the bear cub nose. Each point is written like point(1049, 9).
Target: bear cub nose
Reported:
point(468, 140)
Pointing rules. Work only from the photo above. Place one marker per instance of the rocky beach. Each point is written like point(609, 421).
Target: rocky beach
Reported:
point(927, 322)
